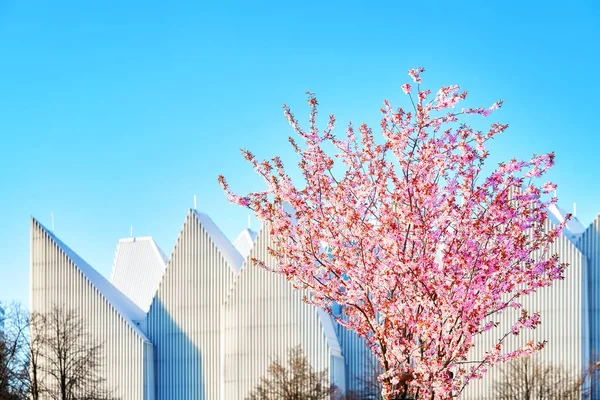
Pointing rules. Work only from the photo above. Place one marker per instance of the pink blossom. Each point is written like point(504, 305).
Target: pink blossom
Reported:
point(415, 74)
point(423, 95)
point(406, 257)
point(548, 187)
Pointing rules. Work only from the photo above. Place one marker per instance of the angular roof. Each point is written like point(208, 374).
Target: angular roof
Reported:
point(227, 249)
point(245, 241)
point(138, 268)
point(124, 306)
point(186, 312)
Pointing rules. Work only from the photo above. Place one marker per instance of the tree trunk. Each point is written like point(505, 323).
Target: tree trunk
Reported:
point(35, 392)
point(63, 387)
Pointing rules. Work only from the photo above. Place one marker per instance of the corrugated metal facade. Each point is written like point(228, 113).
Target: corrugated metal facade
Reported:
point(360, 365)
point(216, 328)
point(589, 243)
point(138, 270)
point(563, 308)
point(264, 317)
point(184, 319)
point(58, 279)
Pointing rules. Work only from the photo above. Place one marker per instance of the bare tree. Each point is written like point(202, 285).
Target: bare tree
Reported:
point(592, 377)
point(14, 325)
point(297, 381)
point(65, 360)
point(35, 348)
point(530, 379)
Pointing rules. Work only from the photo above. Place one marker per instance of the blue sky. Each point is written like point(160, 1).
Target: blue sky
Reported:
point(116, 114)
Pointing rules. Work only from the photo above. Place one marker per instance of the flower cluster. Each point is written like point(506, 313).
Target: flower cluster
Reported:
point(422, 252)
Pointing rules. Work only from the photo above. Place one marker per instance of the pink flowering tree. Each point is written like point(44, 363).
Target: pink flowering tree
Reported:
point(421, 251)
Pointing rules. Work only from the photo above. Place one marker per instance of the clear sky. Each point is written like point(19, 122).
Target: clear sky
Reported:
point(116, 113)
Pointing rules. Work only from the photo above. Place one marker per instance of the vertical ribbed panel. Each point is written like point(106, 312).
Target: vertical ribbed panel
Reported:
point(264, 317)
point(138, 269)
point(56, 280)
point(184, 319)
point(564, 322)
point(360, 363)
point(589, 243)
point(215, 335)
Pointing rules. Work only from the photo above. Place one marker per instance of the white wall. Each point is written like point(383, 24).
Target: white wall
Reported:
point(56, 280)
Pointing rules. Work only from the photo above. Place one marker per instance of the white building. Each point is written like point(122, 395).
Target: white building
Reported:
point(570, 309)
point(205, 323)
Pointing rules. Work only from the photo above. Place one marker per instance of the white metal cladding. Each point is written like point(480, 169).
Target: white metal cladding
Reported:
point(138, 269)
point(184, 319)
point(264, 317)
point(564, 310)
point(61, 278)
point(589, 243)
point(216, 329)
point(244, 242)
point(360, 364)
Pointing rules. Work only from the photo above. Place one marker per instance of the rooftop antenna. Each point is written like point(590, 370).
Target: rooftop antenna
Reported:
point(52, 216)
point(574, 209)
point(130, 230)
point(248, 222)
point(194, 202)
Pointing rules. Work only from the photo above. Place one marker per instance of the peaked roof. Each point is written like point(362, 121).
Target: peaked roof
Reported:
point(138, 269)
point(227, 249)
point(128, 310)
point(245, 242)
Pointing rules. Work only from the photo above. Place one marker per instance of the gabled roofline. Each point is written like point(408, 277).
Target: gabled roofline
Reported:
point(157, 251)
point(225, 247)
point(128, 310)
point(247, 232)
point(150, 239)
point(232, 257)
point(245, 237)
